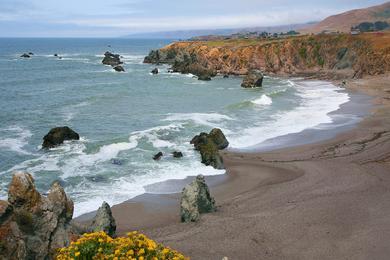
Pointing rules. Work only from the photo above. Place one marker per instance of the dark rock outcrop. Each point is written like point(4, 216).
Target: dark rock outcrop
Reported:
point(195, 200)
point(30, 53)
point(25, 55)
point(119, 68)
point(158, 156)
point(111, 59)
point(177, 154)
point(104, 221)
point(55, 55)
point(33, 226)
point(58, 135)
point(154, 71)
point(253, 79)
point(209, 145)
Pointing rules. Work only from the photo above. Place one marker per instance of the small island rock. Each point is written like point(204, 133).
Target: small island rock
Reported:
point(154, 71)
point(157, 156)
point(253, 79)
point(58, 135)
point(119, 68)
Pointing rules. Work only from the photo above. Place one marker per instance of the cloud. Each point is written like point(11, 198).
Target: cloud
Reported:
point(270, 18)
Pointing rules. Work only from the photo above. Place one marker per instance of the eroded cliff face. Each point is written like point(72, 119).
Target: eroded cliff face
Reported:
point(344, 55)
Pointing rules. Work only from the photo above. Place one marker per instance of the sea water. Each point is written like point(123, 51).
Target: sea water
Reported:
point(125, 118)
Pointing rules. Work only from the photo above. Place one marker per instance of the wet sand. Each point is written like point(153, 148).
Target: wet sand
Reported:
point(327, 200)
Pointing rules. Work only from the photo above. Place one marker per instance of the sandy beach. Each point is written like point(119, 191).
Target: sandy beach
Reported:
point(326, 200)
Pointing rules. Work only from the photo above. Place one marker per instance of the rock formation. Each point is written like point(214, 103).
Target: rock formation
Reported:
point(158, 156)
point(58, 135)
point(177, 154)
point(253, 79)
point(25, 55)
point(321, 55)
point(33, 226)
point(119, 68)
point(154, 71)
point(111, 59)
point(209, 145)
point(104, 221)
point(195, 200)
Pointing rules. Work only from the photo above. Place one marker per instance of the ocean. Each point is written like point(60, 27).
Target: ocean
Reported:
point(125, 118)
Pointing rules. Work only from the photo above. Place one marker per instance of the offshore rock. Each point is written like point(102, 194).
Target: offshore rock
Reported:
point(195, 200)
point(209, 145)
point(154, 71)
point(58, 135)
point(177, 154)
point(111, 59)
point(253, 79)
point(33, 226)
point(25, 55)
point(119, 68)
point(158, 156)
point(104, 221)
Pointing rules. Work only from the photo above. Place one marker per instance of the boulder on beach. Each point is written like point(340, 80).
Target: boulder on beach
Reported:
point(119, 68)
point(25, 55)
point(253, 79)
point(158, 156)
point(104, 221)
point(58, 135)
point(195, 200)
point(33, 226)
point(111, 59)
point(209, 145)
point(154, 71)
point(177, 154)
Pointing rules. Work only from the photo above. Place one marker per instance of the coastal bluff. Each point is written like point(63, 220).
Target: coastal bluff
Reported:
point(322, 56)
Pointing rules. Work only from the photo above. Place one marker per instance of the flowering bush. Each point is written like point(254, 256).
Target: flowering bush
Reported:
point(101, 246)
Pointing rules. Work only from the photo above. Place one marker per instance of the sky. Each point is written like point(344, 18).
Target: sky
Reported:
point(112, 18)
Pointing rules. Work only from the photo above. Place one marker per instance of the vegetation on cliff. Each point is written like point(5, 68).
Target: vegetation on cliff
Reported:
point(344, 54)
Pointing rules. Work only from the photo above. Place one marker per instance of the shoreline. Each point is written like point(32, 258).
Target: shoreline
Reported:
point(309, 197)
point(358, 106)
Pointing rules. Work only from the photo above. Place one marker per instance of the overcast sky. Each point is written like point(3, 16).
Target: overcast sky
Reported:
point(108, 18)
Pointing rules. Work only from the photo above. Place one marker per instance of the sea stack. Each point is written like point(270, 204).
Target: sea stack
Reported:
point(58, 135)
point(209, 145)
point(253, 79)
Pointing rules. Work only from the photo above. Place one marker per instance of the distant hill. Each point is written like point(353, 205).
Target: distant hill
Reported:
point(344, 21)
point(186, 34)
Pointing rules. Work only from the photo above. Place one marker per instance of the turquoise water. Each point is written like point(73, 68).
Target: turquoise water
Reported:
point(131, 116)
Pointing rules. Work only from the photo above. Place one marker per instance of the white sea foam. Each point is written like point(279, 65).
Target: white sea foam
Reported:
point(18, 140)
point(263, 100)
point(207, 119)
point(319, 99)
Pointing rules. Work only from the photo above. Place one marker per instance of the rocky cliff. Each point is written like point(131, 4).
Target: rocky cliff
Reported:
point(339, 55)
point(33, 226)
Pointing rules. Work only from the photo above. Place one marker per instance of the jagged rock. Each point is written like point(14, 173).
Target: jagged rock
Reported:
point(154, 71)
point(209, 145)
point(219, 138)
point(111, 59)
point(177, 154)
point(104, 221)
point(157, 156)
point(33, 226)
point(119, 68)
point(25, 55)
point(253, 79)
point(195, 200)
point(58, 135)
